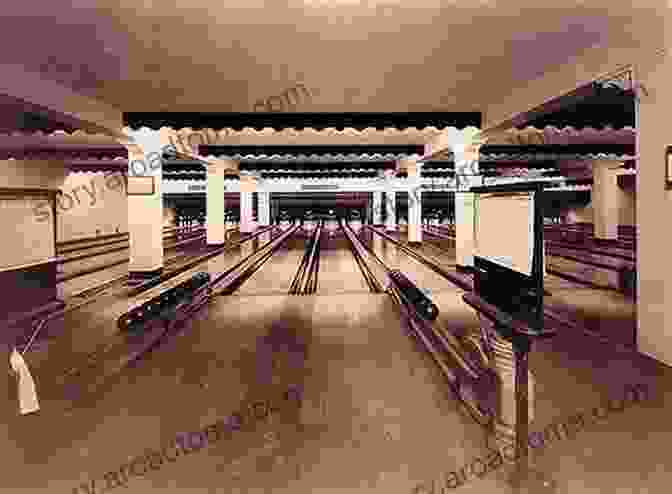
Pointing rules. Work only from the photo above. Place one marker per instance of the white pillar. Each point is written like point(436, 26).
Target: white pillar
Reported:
point(377, 208)
point(466, 176)
point(654, 206)
point(414, 203)
point(606, 198)
point(264, 208)
point(390, 202)
point(245, 211)
point(464, 229)
point(248, 185)
point(145, 203)
point(215, 223)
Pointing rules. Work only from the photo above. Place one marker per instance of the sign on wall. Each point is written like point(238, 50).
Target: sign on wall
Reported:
point(319, 187)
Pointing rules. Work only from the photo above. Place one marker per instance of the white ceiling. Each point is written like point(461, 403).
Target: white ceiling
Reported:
point(354, 56)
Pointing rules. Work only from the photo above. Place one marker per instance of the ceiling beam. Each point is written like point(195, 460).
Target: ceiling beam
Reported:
point(56, 102)
point(300, 121)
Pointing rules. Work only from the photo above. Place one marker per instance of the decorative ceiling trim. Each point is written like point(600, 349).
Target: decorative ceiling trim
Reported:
point(306, 137)
point(563, 136)
point(97, 166)
point(77, 138)
point(568, 188)
point(300, 121)
point(318, 168)
point(532, 157)
point(317, 150)
point(599, 104)
point(300, 158)
point(96, 152)
point(561, 149)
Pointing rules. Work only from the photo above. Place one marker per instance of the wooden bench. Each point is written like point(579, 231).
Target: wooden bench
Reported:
point(578, 234)
point(580, 237)
point(596, 266)
point(598, 270)
point(588, 246)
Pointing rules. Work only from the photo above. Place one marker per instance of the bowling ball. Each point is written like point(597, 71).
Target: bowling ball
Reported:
point(135, 327)
point(169, 298)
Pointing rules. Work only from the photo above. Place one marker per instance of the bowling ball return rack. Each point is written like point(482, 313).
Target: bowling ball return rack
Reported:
point(463, 362)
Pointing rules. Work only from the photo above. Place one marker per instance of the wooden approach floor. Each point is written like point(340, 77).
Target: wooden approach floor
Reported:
point(376, 415)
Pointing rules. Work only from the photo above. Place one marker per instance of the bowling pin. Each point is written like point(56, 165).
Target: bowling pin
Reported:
point(28, 402)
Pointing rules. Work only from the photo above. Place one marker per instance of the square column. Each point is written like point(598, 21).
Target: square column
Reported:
point(246, 212)
point(248, 186)
point(275, 210)
point(466, 176)
point(653, 207)
point(264, 208)
point(414, 203)
point(391, 205)
point(607, 198)
point(215, 220)
point(464, 229)
point(377, 208)
point(145, 203)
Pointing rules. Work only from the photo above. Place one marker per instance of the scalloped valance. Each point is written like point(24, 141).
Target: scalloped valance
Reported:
point(300, 121)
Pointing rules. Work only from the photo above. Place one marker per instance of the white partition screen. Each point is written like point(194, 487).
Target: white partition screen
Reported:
point(504, 229)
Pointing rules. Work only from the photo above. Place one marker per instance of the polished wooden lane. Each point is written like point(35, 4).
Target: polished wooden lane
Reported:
point(339, 272)
point(71, 287)
point(375, 417)
point(275, 275)
point(376, 414)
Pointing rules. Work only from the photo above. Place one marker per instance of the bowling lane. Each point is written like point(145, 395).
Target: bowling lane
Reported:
point(339, 272)
point(275, 276)
point(65, 341)
point(395, 258)
point(103, 257)
point(375, 414)
point(97, 246)
point(174, 256)
point(436, 241)
point(443, 256)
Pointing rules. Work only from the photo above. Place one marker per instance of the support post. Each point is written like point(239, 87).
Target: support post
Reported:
point(215, 204)
point(145, 202)
point(514, 338)
point(248, 186)
point(391, 214)
point(607, 198)
point(264, 208)
point(377, 208)
point(414, 203)
point(466, 176)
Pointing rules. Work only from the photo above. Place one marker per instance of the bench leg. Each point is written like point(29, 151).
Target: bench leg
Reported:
point(504, 432)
